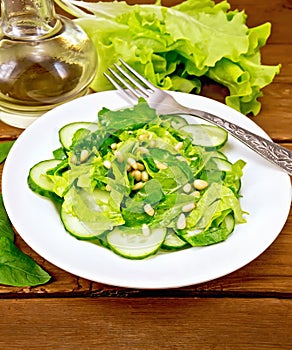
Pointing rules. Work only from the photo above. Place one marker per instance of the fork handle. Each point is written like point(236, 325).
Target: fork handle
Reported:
point(276, 154)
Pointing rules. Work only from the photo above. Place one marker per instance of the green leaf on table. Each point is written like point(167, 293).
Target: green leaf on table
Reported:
point(4, 149)
point(5, 227)
point(17, 268)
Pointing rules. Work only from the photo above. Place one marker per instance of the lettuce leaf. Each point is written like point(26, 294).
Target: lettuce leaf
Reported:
point(217, 200)
point(205, 224)
point(174, 47)
point(95, 216)
point(127, 118)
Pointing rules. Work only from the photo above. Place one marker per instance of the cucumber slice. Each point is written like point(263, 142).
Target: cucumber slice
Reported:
point(131, 243)
point(217, 154)
point(229, 223)
point(87, 216)
point(176, 121)
point(237, 186)
point(38, 180)
point(212, 235)
point(209, 136)
point(225, 166)
point(221, 164)
point(67, 132)
point(78, 228)
point(173, 241)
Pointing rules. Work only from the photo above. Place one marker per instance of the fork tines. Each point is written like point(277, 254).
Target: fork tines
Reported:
point(128, 84)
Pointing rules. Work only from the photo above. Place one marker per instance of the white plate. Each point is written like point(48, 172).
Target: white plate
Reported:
point(266, 196)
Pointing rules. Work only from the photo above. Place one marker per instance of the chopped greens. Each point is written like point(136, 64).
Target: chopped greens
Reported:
point(137, 184)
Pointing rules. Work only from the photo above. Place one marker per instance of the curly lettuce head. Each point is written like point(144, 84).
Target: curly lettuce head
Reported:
point(174, 47)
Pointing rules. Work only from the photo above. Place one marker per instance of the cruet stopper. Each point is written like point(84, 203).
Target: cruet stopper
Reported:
point(45, 60)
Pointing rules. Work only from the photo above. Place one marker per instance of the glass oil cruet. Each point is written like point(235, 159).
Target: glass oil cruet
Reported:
point(45, 60)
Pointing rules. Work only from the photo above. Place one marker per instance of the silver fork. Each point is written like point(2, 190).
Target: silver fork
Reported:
point(130, 85)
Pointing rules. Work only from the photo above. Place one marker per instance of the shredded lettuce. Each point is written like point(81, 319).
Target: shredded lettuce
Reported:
point(175, 47)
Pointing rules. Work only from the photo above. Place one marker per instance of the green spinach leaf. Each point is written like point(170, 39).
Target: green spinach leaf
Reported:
point(17, 268)
point(5, 227)
point(4, 149)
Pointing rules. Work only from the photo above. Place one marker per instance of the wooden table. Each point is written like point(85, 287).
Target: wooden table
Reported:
point(248, 309)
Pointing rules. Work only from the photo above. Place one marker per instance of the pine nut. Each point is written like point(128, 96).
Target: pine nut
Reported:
point(152, 143)
point(114, 146)
point(148, 209)
point(160, 165)
point(144, 176)
point(138, 186)
point(132, 163)
point(181, 222)
point(145, 230)
point(107, 164)
point(84, 155)
point(119, 156)
point(107, 188)
point(181, 158)
point(178, 146)
point(140, 166)
point(144, 150)
point(196, 194)
point(200, 184)
point(187, 188)
point(74, 159)
point(137, 175)
point(188, 207)
point(143, 137)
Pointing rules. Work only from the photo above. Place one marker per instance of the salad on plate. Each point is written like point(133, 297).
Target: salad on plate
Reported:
point(140, 184)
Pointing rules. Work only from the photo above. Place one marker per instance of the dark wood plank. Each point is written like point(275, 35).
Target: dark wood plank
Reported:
point(276, 114)
point(274, 54)
point(8, 132)
point(276, 12)
point(151, 323)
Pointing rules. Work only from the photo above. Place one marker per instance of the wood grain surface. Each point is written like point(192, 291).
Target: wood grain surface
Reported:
point(250, 308)
point(145, 323)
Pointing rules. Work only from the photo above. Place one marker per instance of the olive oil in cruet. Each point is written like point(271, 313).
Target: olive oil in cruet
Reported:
point(45, 60)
